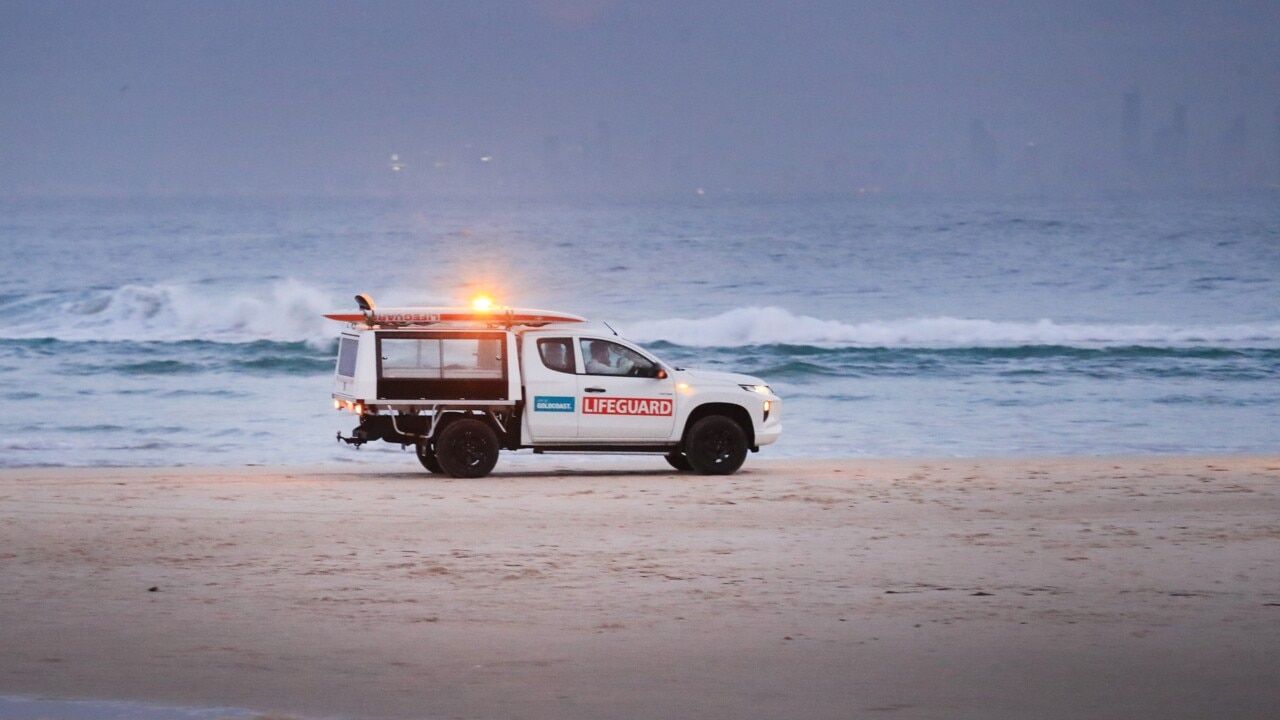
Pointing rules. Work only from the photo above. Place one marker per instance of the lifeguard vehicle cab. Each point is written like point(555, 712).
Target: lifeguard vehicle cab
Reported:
point(459, 384)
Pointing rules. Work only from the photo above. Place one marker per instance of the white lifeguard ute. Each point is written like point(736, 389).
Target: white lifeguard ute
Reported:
point(461, 383)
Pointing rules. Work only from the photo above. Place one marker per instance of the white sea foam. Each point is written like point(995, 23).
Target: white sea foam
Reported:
point(775, 326)
point(288, 311)
point(292, 311)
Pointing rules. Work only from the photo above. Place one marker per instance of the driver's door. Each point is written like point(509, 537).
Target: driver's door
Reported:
point(619, 397)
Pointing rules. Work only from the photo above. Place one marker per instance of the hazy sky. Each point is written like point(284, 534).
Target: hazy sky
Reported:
point(134, 96)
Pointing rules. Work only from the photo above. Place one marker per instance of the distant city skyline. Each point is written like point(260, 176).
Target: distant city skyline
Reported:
point(1153, 150)
point(546, 97)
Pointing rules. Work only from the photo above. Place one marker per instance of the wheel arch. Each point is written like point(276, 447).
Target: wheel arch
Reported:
point(737, 413)
point(448, 417)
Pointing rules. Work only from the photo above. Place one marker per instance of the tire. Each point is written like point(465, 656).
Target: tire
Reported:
point(678, 461)
point(466, 448)
point(427, 456)
point(715, 445)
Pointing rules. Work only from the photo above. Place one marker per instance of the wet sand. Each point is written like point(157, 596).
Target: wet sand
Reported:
point(1008, 588)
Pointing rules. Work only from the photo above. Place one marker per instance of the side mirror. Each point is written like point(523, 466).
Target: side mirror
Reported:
point(659, 373)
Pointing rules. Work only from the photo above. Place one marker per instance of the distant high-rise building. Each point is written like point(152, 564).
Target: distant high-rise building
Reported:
point(1182, 131)
point(1131, 128)
point(604, 150)
point(1172, 143)
point(1235, 141)
point(1275, 152)
point(551, 164)
point(657, 160)
point(983, 154)
point(1233, 159)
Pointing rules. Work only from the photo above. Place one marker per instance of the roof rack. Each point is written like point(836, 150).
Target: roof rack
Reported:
point(506, 317)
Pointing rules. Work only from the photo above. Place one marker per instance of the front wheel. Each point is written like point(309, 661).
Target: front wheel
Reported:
point(467, 448)
point(716, 445)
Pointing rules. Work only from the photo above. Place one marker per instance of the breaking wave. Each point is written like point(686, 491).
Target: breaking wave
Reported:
point(756, 326)
point(287, 311)
point(290, 311)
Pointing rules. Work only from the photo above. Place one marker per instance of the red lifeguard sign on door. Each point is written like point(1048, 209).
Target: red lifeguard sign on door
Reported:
point(626, 406)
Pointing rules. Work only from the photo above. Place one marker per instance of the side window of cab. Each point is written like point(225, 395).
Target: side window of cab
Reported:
point(603, 357)
point(557, 354)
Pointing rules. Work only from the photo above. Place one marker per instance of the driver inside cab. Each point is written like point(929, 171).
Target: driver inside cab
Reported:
point(602, 362)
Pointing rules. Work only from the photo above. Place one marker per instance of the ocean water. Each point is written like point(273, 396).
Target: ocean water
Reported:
point(30, 708)
point(189, 332)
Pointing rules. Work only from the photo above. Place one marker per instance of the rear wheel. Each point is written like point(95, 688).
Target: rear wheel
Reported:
point(678, 461)
point(466, 448)
point(427, 456)
point(716, 445)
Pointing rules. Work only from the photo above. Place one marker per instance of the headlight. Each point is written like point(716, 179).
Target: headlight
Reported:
point(762, 389)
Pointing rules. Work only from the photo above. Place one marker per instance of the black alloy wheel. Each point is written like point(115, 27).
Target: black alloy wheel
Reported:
point(467, 448)
point(716, 445)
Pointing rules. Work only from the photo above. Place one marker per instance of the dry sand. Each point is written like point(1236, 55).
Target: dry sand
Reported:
point(1027, 588)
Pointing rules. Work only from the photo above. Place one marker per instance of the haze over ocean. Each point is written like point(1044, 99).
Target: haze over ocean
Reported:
point(564, 97)
point(183, 332)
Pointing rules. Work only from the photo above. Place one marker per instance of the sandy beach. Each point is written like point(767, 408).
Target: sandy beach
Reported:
point(1011, 588)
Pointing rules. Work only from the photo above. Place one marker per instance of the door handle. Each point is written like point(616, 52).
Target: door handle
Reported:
point(595, 389)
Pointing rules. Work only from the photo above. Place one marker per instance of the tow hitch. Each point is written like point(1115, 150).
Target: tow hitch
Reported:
point(357, 438)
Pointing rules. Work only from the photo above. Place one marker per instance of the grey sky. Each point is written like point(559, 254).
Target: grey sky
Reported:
point(135, 96)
